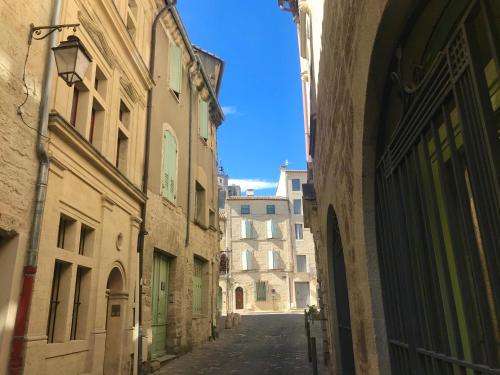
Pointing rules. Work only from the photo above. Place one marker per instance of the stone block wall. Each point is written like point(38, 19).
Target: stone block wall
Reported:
point(18, 161)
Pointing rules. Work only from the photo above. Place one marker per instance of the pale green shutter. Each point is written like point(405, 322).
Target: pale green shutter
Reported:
point(175, 68)
point(203, 118)
point(169, 166)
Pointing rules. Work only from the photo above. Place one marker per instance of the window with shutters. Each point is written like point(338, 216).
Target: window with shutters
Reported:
point(198, 286)
point(301, 263)
point(272, 229)
point(175, 69)
point(169, 186)
point(299, 235)
point(246, 260)
point(273, 260)
point(203, 118)
point(245, 209)
point(261, 290)
point(270, 209)
point(246, 228)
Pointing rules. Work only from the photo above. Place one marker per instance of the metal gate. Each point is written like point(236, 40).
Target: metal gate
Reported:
point(438, 208)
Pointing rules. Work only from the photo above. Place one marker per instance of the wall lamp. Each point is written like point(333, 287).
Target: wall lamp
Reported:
point(72, 59)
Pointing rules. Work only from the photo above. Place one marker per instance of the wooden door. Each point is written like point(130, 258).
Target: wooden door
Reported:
point(239, 298)
point(161, 268)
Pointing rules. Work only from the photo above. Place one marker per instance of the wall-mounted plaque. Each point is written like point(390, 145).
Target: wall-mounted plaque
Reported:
point(115, 310)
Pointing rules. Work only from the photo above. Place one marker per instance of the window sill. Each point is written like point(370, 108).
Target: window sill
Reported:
point(201, 225)
point(167, 202)
point(199, 316)
point(176, 96)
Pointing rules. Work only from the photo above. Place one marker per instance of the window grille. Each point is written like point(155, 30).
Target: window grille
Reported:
point(261, 290)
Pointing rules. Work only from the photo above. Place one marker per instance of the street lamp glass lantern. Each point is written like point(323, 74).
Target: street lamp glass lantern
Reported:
point(72, 60)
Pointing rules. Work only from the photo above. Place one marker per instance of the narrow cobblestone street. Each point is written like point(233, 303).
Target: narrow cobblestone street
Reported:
point(263, 344)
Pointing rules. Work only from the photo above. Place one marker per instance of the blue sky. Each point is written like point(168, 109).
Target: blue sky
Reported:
point(261, 88)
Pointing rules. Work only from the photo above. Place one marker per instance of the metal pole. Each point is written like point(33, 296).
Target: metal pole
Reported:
point(314, 356)
point(308, 334)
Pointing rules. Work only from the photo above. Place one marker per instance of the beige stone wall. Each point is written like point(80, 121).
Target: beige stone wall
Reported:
point(357, 44)
point(18, 160)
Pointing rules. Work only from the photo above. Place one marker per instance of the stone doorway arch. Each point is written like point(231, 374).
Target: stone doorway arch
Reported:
point(341, 322)
point(238, 293)
point(115, 320)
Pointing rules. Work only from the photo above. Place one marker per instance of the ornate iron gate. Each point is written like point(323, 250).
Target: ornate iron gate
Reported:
point(438, 208)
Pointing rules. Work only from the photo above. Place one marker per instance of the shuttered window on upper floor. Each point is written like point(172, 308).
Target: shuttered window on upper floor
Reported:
point(273, 260)
point(272, 228)
point(246, 260)
point(203, 118)
point(169, 186)
point(246, 228)
point(175, 80)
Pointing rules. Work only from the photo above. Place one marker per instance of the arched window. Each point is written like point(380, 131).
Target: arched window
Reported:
point(438, 196)
point(169, 180)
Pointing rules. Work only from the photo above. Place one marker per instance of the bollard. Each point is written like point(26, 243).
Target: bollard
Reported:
point(308, 333)
point(305, 318)
point(314, 356)
point(229, 321)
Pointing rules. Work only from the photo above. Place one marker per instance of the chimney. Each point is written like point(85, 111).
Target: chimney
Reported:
point(249, 192)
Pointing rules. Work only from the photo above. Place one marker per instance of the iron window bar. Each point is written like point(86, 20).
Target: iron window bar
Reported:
point(76, 303)
point(54, 302)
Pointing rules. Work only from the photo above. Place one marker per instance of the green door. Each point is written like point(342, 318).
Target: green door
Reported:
point(161, 269)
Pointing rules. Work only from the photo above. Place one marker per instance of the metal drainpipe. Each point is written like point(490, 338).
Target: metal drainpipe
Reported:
point(188, 216)
point(145, 178)
point(16, 361)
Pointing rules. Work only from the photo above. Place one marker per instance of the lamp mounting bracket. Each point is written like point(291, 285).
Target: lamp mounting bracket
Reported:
point(41, 32)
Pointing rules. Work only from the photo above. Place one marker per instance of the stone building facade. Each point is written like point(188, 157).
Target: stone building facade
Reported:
point(18, 160)
point(180, 268)
point(403, 193)
point(268, 258)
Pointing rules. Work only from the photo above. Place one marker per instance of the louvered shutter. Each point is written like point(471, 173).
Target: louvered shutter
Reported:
point(243, 228)
point(203, 118)
point(270, 259)
point(249, 260)
point(244, 259)
point(248, 229)
point(169, 166)
point(269, 225)
point(175, 68)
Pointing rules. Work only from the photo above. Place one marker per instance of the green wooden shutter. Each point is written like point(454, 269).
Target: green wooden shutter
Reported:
point(169, 185)
point(175, 68)
point(203, 118)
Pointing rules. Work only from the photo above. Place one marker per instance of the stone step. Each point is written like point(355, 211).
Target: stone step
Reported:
point(166, 358)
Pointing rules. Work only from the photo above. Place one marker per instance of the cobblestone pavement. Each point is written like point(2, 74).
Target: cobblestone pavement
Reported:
point(270, 344)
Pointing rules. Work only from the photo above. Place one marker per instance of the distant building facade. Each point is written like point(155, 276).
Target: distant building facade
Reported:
point(268, 259)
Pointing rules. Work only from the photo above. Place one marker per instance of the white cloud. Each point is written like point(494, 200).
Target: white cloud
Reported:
point(255, 184)
point(229, 110)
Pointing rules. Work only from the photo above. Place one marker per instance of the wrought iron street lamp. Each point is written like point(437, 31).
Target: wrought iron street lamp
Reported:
point(72, 59)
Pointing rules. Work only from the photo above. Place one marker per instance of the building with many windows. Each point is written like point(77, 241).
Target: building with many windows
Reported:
point(267, 260)
point(403, 197)
point(180, 267)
